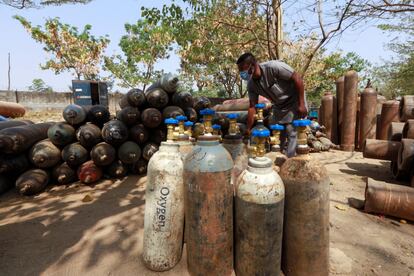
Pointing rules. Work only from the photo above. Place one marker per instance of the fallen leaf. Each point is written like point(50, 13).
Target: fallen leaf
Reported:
point(403, 221)
point(341, 207)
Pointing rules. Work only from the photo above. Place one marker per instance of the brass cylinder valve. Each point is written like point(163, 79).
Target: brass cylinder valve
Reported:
point(302, 141)
point(171, 123)
point(275, 138)
point(259, 111)
point(207, 118)
point(260, 136)
point(216, 130)
point(180, 131)
point(233, 126)
point(188, 128)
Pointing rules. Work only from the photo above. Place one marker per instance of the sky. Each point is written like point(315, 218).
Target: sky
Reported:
point(108, 17)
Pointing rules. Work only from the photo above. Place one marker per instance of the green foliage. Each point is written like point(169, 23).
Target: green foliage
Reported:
point(145, 43)
point(38, 85)
point(22, 4)
point(70, 49)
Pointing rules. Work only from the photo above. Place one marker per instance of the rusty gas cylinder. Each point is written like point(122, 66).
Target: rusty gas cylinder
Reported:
point(129, 115)
point(63, 174)
point(306, 220)
point(149, 150)
point(61, 134)
point(74, 155)
point(329, 106)
point(44, 154)
point(98, 115)
point(164, 207)
point(169, 82)
point(89, 173)
point(389, 114)
point(129, 152)
point(89, 135)
point(14, 123)
point(389, 199)
point(406, 155)
point(381, 149)
point(139, 167)
point(340, 99)
point(103, 154)
point(172, 111)
point(117, 169)
point(395, 131)
point(183, 99)
point(74, 114)
point(134, 97)
point(406, 108)
point(158, 134)
point(209, 199)
point(368, 116)
point(201, 103)
point(6, 183)
point(156, 97)
point(17, 139)
point(191, 114)
point(139, 134)
point(13, 164)
point(114, 132)
point(408, 129)
point(259, 207)
point(349, 111)
point(32, 182)
point(151, 117)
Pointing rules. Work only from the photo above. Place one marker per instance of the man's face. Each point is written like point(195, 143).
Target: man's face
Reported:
point(244, 66)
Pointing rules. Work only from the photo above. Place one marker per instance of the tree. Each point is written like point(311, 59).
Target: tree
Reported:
point(70, 49)
point(145, 43)
point(22, 4)
point(38, 85)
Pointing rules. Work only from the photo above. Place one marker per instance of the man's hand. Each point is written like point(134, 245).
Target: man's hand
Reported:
point(302, 111)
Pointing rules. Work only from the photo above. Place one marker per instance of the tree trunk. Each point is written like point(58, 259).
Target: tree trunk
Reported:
point(276, 30)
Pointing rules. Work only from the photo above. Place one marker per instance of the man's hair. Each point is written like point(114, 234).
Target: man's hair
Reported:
point(246, 57)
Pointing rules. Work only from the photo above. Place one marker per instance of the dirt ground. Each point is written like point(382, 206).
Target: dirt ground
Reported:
point(60, 233)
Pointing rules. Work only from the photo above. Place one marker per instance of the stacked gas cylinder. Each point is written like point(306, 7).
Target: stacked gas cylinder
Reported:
point(232, 211)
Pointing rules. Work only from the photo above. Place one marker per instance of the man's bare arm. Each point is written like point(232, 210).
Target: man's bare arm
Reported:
point(300, 88)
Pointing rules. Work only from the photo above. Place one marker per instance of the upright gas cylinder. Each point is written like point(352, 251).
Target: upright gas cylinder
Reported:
point(233, 143)
point(182, 138)
point(209, 207)
point(259, 214)
point(306, 221)
point(164, 208)
point(276, 155)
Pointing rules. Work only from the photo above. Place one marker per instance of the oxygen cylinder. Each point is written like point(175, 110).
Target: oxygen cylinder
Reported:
point(14, 123)
point(64, 174)
point(6, 183)
point(151, 117)
point(277, 157)
point(182, 138)
point(139, 134)
point(306, 220)
point(44, 154)
point(89, 135)
point(158, 134)
point(172, 111)
point(129, 115)
point(115, 132)
point(32, 182)
point(98, 115)
point(209, 208)
point(233, 143)
point(149, 150)
point(259, 214)
point(139, 167)
point(18, 139)
point(135, 97)
point(201, 103)
point(88, 172)
point(164, 207)
point(156, 97)
point(191, 114)
point(117, 169)
point(61, 134)
point(169, 82)
point(13, 164)
point(183, 99)
point(74, 155)
point(129, 152)
point(103, 154)
point(74, 114)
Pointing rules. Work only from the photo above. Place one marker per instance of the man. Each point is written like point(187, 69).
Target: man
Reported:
point(278, 82)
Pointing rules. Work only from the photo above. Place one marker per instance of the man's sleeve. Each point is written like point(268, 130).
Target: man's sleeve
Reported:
point(253, 96)
point(279, 69)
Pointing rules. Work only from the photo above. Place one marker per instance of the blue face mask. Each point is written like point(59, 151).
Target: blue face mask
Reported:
point(244, 75)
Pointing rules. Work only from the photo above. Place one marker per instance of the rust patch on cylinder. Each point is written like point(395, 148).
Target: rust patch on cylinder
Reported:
point(408, 129)
point(367, 116)
point(381, 149)
point(389, 114)
point(349, 111)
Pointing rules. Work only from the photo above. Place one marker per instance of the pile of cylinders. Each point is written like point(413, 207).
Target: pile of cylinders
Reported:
point(237, 225)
